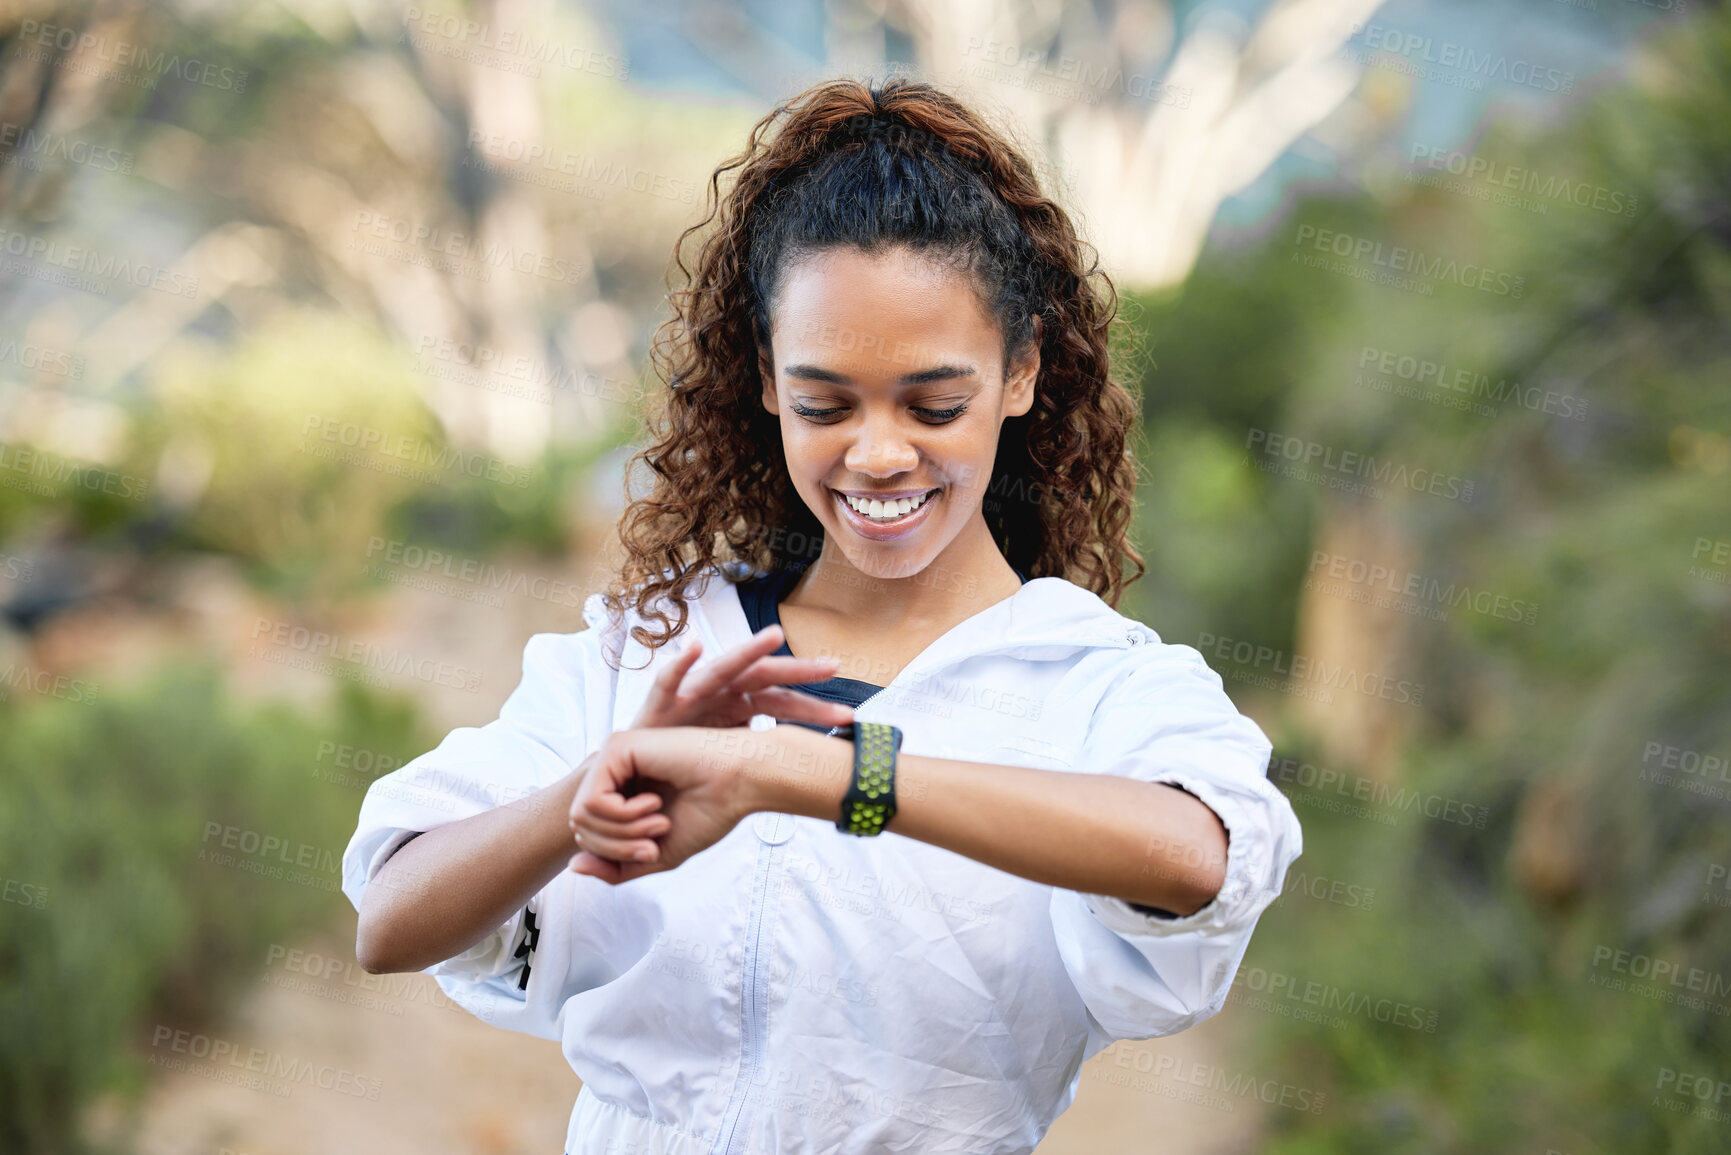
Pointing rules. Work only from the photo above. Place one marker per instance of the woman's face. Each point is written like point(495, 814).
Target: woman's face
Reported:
point(888, 382)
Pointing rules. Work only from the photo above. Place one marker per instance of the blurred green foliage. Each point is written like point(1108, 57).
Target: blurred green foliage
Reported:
point(294, 451)
point(123, 912)
point(1500, 931)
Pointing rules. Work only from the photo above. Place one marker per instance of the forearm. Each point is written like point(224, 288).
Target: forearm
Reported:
point(445, 890)
point(1143, 842)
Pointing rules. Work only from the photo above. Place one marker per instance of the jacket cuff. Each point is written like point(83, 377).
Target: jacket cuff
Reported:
point(500, 953)
point(1228, 910)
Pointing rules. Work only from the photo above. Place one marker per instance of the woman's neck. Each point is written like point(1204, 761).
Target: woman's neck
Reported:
point(967, 577)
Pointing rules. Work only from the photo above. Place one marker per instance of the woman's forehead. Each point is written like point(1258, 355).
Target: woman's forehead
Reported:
point(896, 307)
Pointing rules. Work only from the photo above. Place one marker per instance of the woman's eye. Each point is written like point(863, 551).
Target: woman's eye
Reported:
point(930, 416)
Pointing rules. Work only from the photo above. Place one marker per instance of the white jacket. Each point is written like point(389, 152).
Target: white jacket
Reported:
point(796, 989)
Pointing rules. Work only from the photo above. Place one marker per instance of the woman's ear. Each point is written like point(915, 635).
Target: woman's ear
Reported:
point(1019, 389)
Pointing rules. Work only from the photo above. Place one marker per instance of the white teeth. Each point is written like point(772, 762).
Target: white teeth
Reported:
point(885, 511)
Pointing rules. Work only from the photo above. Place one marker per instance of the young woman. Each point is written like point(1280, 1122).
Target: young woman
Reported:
point(998, 826)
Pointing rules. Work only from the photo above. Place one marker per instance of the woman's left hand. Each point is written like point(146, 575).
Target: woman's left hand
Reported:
point(701, 799)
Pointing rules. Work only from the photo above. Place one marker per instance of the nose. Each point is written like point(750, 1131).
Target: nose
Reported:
point(882, 449)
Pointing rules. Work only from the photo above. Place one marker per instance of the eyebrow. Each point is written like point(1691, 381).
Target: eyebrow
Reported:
point(938, 373)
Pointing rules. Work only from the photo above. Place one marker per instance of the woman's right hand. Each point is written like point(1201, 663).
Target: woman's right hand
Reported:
point(740, 683)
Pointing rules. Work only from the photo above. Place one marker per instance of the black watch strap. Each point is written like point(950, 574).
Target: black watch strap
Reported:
point(870, 801)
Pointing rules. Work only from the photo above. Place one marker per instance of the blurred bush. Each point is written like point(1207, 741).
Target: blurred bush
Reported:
point(257, 438)
point(125, 911)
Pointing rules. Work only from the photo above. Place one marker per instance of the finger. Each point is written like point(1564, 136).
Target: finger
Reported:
point(649, 826)
point(782, 670)
point(665, 688)
point(612, 804)
point(713, 676)
point(614, 873)
point(619, 808)
point(796, 706)
point(670, 678)
point(596, 867)
point(621, 850)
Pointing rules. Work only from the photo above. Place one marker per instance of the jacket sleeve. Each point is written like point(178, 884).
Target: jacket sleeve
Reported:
point(1168, 719)
point(558, 714)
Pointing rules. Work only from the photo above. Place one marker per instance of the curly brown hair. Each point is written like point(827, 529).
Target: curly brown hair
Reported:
point(873, 166)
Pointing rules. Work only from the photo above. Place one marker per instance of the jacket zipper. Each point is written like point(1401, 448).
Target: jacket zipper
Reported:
point(754, 998)
point(753, 1009)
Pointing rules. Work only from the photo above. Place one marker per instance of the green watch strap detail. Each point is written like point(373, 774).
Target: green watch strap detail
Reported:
point(870, 802)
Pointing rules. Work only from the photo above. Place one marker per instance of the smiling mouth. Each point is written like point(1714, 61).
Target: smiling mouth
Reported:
point(886, 512)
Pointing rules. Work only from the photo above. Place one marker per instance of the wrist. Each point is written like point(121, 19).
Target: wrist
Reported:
point(789, 769)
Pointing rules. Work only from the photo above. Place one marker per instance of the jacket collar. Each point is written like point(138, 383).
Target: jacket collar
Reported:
point(1048, 618)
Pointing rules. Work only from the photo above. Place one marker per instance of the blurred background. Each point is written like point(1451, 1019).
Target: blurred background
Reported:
point(323, 330)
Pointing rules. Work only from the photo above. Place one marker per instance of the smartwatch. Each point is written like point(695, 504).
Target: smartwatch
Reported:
point(870, 801)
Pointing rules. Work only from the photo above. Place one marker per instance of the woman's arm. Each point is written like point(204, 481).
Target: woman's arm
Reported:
point(445, 890)
point(1144, 842)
